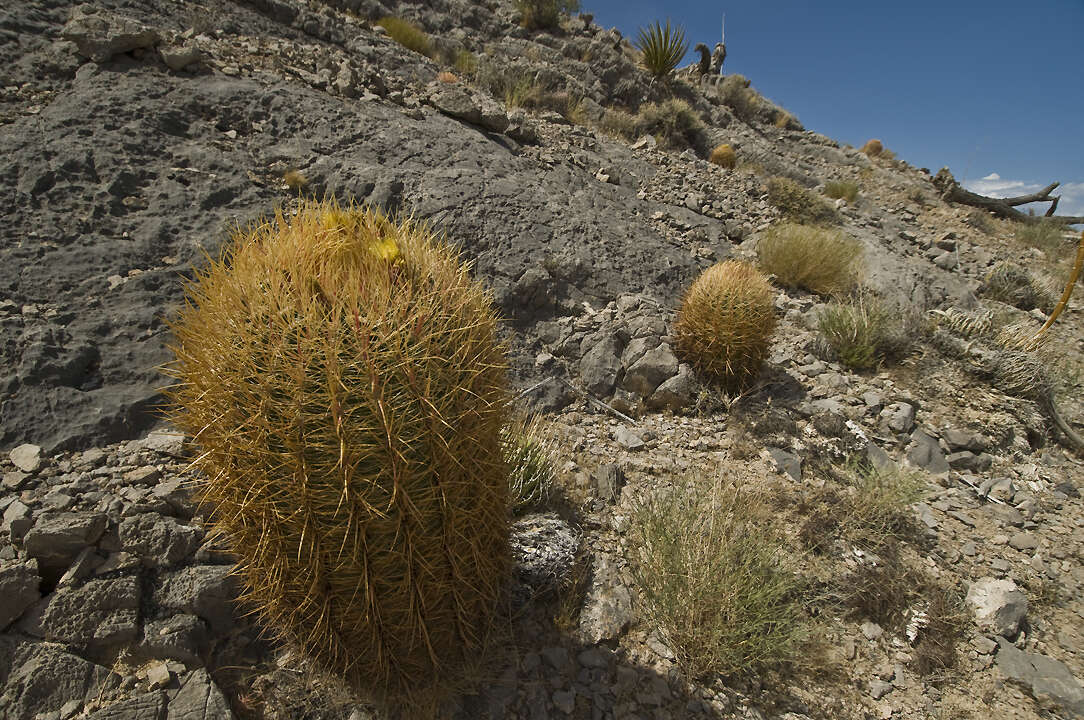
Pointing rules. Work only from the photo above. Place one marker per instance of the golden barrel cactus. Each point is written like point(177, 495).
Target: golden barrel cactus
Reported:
point(725, 323)
point(724, 156)
point(341, 376)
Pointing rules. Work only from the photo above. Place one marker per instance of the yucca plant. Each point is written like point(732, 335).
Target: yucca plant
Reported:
point(662, 48)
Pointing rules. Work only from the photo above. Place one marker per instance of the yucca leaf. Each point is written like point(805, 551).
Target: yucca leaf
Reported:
point(662, 47)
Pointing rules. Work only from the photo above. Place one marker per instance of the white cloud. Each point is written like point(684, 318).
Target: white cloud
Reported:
point(1072, 193)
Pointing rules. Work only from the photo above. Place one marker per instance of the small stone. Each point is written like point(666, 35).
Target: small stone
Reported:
point(158, 675)
point(879, 688)
point(999, 606)
point(983, 645)
point(628, 439)
point(565, 701)
point(1024, 542)
point(14, 481)
point(26, 457)
point(787, 462)
point(899, 417)
point(872, 630)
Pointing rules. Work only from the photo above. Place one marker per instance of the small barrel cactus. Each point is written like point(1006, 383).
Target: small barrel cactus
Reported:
point(725, 323)
point(341, 375)
point(724, 156)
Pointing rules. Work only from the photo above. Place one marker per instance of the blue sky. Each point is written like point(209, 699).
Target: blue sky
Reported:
point(994, 90)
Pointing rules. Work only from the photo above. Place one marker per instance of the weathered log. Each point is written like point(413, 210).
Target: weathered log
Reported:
point(952, 191)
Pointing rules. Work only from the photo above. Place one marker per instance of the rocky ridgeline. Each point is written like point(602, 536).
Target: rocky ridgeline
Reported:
point(136, 135)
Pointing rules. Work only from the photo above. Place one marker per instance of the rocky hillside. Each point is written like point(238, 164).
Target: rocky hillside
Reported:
point(137, 135)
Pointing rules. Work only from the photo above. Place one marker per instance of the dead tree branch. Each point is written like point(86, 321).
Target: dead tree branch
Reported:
point(952, 191)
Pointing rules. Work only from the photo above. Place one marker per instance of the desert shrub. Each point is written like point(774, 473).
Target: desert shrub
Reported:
point(713, 580)
point(407, 34)
point(447, 77)
point(618, 123)
point(673, 123)
point(724, 156)
point(531, 464)
point(799, 204)
point(661, 48)
point(873, 148)
point(544, 14)
point(816, 259)
point(342, 377)
point(841, 189)
point(1014, 286)
point(735, 93)
point(862, 332)
point(725, 323)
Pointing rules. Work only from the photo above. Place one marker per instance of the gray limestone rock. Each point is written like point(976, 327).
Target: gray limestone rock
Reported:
point(601, 367)
point(924, 452)
point(26, 457)
point(44, 678)
point(198, 699)
point(181, 637)
point(158, 540)
point(608, 480)
point(649, 372)
point(677, 393)
point(998, 605)
point(1046, 678)
point(19, 583)
point(178, 57)
point(787, 462)
point(17, 520)
point(207, 591)
point(56, 540)
point(899, 417)
point(100, 34)
point(100, 615)
point(148, 706)
point(607, 610)
point(463, 103)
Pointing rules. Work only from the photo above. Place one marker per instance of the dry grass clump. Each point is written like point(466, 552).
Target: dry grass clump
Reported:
point(713, 578)
point(520, 88)
point(880, 501)
point(447, 77)
point(799, 204)
point(863, 332)
point(465, 63)
point(724, 156)
point(673, 123)
point(407, 34)
point(873, 148)
point(661, 48)
point(1045, 235)
point(841, 189)
point(618, 123)
point(725, 323)
point(943, 623)
point(815, 259)
point(531, 463)
point(544, 14)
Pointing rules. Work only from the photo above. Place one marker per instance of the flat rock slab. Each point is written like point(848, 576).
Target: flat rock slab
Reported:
point(1046, 678)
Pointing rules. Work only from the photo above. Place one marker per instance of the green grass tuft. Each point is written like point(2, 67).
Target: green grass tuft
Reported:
point(839, 189)
point(712, 576)
point(798, 204)
point(673, 123)
point(407, 34)
point(544, 14)
point(863, 333)
point(815, 259)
